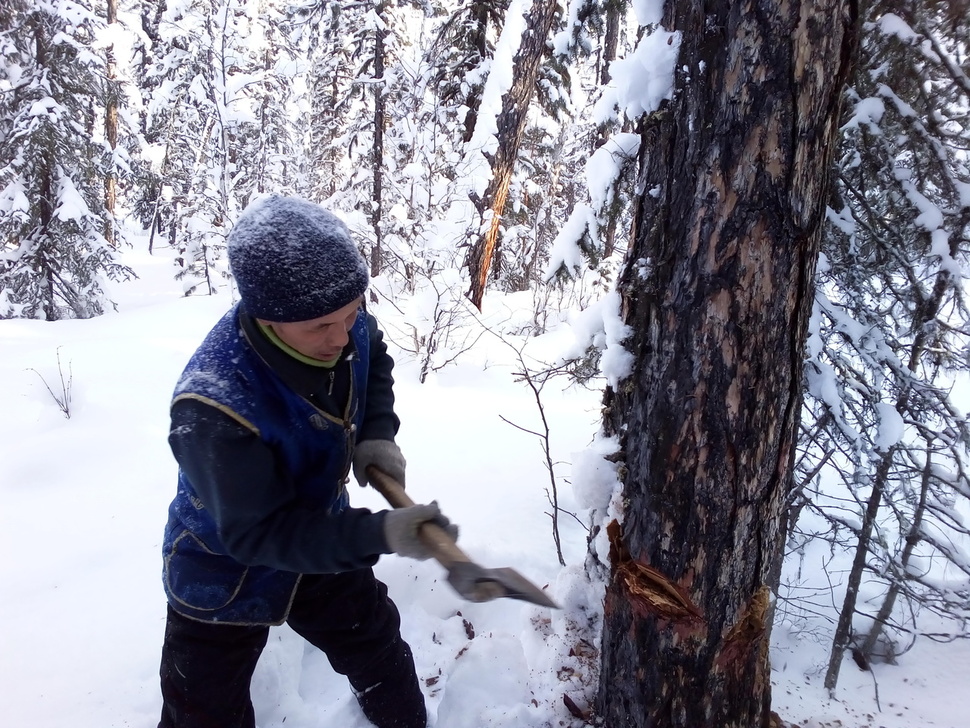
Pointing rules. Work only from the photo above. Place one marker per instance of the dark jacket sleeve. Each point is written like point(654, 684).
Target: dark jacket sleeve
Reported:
point(380, 421)
point(259, 518)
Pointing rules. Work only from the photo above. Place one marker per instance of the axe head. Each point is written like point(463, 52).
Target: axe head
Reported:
point(478, 584)
point(470, 580)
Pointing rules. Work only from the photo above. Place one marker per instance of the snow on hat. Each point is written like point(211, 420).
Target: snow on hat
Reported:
point(294, 260)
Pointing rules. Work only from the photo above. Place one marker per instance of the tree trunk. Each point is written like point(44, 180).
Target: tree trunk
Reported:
point(913, 538)
point(45, 254)
point(511, 126)
point(925, 312)
point(111, 130)
point(611, 37)
point(611, 40)
point(377, 154)
point(479, 40)
point(717, 290)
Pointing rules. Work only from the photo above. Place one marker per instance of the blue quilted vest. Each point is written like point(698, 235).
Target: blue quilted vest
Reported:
point(314, 447)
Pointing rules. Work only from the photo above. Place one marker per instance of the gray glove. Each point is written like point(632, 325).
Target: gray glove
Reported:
point(401, 529)
point(383, 454)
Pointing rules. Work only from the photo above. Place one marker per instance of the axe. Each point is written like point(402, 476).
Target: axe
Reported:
point(473, 582)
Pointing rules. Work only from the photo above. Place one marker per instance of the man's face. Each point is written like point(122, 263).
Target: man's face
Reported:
point(320, 338)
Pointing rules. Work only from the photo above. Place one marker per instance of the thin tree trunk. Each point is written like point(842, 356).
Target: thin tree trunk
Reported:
point(927, 309)
point(511, 126)
point(45, 255)
point(219, 97)
point(377, 154)
point(912, 539)
point(611, 38)
point(326, 90)
point(717, 290)
point(263, 173)
point(111, 130)
point(479, 39)
point(843, 631)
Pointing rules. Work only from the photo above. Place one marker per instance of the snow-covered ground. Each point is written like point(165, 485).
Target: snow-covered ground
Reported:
point(83, 501)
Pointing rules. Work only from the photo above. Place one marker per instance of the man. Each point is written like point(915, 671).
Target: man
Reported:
point(289, 391)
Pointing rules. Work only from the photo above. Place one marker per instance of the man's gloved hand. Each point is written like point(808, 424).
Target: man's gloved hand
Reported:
point(382, 454)
point(402, 524)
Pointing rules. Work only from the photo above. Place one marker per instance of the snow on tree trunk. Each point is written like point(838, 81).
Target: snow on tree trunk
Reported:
point(717, 289)
point(510, 127)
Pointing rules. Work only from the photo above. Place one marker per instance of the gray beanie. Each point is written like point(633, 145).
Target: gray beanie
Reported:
point(294, 260)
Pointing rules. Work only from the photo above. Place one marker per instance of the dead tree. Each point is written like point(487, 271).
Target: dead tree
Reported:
point(717, 290)
point(511, 126)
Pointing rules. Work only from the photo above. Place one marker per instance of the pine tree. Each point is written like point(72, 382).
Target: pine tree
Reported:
point(362, 105)
point(263, 153)
point(891, 330)
point(600, 146)
point(317, 33)
point(54, 164)
point(510, 123)
point(147, 201)
point(217, 112)
point(542, 182)
point(459, 56)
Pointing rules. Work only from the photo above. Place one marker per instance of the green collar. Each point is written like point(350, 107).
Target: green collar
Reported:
point(271, 335)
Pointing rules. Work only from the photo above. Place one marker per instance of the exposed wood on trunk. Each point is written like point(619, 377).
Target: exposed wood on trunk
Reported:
point(648, 591)
point(717, 289)
point(510, 128)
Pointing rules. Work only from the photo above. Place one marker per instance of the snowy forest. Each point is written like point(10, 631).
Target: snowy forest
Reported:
point(532, 150)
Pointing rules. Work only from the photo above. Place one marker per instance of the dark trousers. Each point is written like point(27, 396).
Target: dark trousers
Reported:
point(207, 667)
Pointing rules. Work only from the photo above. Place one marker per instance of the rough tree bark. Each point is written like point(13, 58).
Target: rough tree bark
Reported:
point(717, 289)
point(511, 126)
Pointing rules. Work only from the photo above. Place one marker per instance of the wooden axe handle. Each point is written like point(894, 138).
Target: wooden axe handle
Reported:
point(442, 546)
point(469, 579)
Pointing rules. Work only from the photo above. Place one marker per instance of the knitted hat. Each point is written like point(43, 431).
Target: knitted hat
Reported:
point(294, 260)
